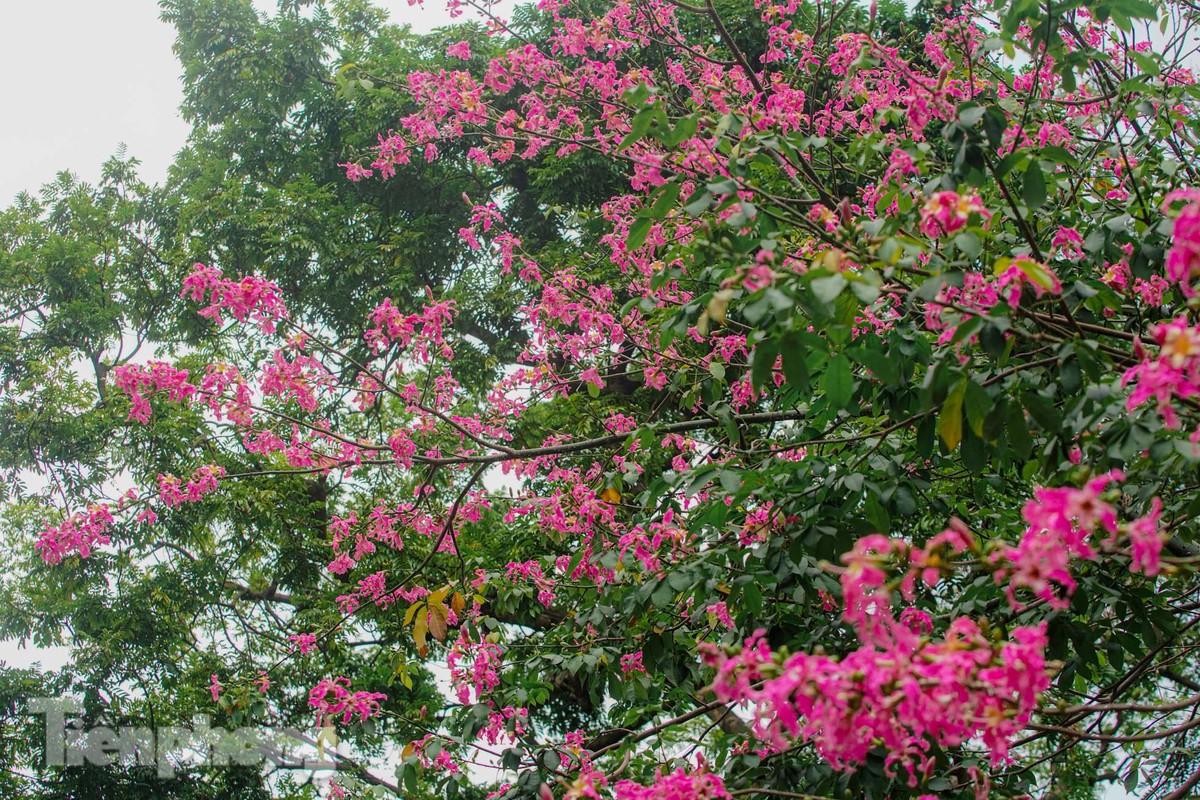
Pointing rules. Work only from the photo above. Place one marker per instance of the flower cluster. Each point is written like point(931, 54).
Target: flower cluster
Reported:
point(1172, 373)
point(474, 667)
point(1061, 526)
point(907, 696)
point(251, 299)
point(79, 534)
point(173, 492)
point(901, 689)
point(424, 332)
point(946, 212)
point(678, 785)
point(332, 697)
point(1183, 260)
point(157, 376)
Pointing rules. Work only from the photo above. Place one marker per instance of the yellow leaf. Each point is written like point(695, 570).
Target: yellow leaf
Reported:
point(718, 305)
point(420, 630)
point(457, 602)
point(950, 422)
point(412, 612)
point(1038, 274)
point(438, 598)
point(326, 735)
point(610, 495)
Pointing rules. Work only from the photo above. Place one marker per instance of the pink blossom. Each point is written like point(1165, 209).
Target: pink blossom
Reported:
point(79, 534)
point(356, 172)
point(474, 667)
point(905, 694)
point(632, 663)
point(251, 299)
point(1183, 260)
point(1172, 373)
point(678, 785)
point(1024, 271)
point(1068, 243)
point(946, 212)
point(304, 642)
point(1146, 541)
point(332, 697)
point(720, 613)
point(1061, 524)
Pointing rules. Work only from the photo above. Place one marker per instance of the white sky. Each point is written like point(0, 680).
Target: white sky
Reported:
point(78, 77)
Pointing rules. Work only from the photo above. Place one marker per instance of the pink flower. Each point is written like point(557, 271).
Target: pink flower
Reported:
point(1183, 261)
point(1061, 523)
point(459, 50)
point(1174, 372)
point(215, 687)
point(250, 299)
point(1068, 243)
point(632, 663)
point(946, 212)
point(332, 696)
point(904, 694)
point(1146, 541)
point(720, 612)
point(678, 785)
point(79, 534)
point(356, 172)
point(474, 667)
point(304, 642)
point(1024, 271)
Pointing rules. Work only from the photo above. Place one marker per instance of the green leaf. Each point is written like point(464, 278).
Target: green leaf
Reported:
point(795, 366)
point(1033, 191)
point(877, 515)
point(925, 437)
point(883, 366)
point(684, 129)
point(638, 232)
point(950, 420)
point(969, 114)
point(978, 404)
point(1019, 440)
point(752, 598)
point(667, 198)
point(827, 289)
point(698, 203)
point(640, 126)
point(969, 243)
point(764, 360)
point(867, 287)
point(838, 381)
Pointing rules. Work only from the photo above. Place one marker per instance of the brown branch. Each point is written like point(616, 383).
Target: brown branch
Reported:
point(270, 594)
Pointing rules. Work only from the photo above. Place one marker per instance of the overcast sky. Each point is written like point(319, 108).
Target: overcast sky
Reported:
point(80, 77)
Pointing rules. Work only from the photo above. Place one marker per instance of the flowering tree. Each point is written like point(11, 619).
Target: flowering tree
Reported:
point(852, 448)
